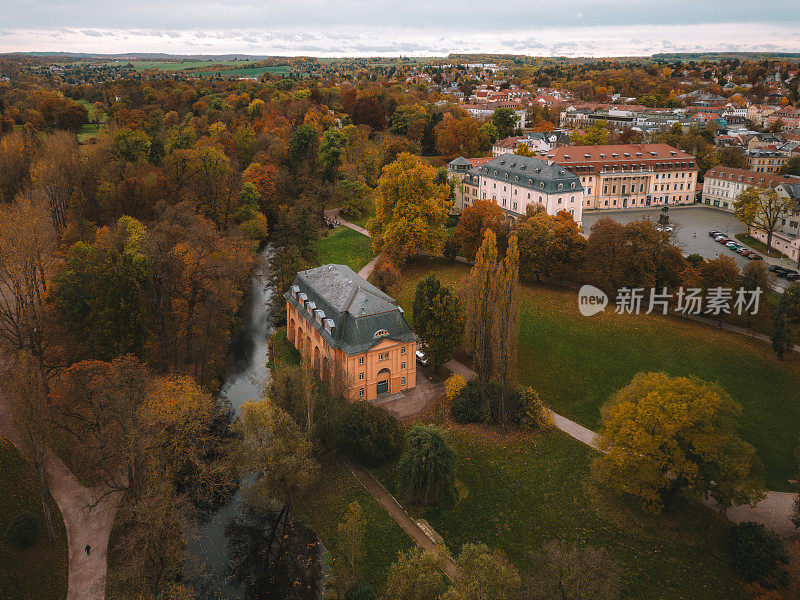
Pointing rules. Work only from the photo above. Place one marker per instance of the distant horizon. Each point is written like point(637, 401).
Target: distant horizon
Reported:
point(453, 54)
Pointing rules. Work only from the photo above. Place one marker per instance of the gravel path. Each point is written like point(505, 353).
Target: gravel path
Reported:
point(85, 526)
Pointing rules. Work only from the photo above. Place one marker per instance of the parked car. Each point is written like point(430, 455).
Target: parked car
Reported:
point(775, 268)
point(790, 271)
point(732, 245)
point(792, 276)
point(421, 359)
point(714, 233)
point(754, 256)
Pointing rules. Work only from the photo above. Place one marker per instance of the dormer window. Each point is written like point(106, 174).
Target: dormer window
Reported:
point(602, 155)
point(516, 179)
point(566, 157)
point(586, 156)
point(560, 186)
point(380, 333)
point(572, 185)
point(530, 181)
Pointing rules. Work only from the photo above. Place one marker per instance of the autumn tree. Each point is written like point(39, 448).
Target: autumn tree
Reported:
point(505, 332)
point(415, 575)
point(577, 573)
point(26, 254)
point(197, 280)
point(18, 151)
point(601, 267)
point(720, 272)
point(596, 135)
point(664, 437)
point(474, 221)
point(485, 573)
point(56, 175)
point(26, 393)
point(351, 546)
point(549, 247)
point(459, 134)
point(99, 290)
point(480, 308)
point(762, 209)
point(410, 210)
point(788, 310)
point(331, 149)
point(275, 447)
point(438, 320)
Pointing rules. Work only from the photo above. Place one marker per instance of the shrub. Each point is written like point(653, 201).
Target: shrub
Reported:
point(533, 413)
point(470, 406)
point(386, 274)
point(368, 433)
point(361, 591)
point(451, 249)
point(426, 470)
point(756, 551)
point(23, 531)
point(453, 386)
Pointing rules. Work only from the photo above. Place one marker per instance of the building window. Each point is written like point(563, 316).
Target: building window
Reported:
point(403, 350)
point(402, 365)
point(361, 360)
point(361, 377)
point(403, 382)
point(361, 392)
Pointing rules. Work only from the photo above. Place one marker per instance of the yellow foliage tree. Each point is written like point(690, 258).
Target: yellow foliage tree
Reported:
point(664, 437)
point(410, 210)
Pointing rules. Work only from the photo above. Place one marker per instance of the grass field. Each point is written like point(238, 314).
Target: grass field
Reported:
point(337, 489)
point(245, 72)
point(39, 572)
point(345, 247)
point(521, 491)
point(90, 129)
point(576, 363)
point(757, 245)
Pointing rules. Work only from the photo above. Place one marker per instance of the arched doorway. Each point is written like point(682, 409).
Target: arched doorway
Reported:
point(292, 327)
point(326, 370)
point(384, 376)
point(315, 362)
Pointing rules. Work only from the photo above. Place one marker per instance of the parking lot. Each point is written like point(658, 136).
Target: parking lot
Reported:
point(692, 224)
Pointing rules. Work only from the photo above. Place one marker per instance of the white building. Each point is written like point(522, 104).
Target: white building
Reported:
point(514, 182)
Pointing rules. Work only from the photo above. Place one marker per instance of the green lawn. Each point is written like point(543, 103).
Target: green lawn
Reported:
point(337, 489)
point(519, 493)
point(757, 245)
point(39, 572)
point(576, 363)
point(345, 247)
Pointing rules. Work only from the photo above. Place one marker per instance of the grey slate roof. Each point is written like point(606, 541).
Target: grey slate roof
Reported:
point(355, 309)
point(531, 172)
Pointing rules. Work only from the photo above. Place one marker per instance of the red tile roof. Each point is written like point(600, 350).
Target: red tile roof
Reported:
point(746, 177)
point(622, 155)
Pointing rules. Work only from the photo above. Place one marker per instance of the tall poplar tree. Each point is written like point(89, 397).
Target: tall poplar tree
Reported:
point(480, 307)
point(506, 325)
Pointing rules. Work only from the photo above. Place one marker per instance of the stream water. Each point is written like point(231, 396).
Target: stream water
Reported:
point(234, 553)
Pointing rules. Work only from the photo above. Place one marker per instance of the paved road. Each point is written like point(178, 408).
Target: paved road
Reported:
point(692, 226)
point(691, 233)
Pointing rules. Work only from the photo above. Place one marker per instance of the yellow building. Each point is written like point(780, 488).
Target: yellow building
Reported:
point(630, 175)
point(765, 161)
point(353, 334)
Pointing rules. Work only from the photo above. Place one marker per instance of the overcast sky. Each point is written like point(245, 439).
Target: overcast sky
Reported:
point(392, 27)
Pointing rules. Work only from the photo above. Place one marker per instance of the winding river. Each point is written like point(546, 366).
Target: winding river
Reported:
point(234, 553)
